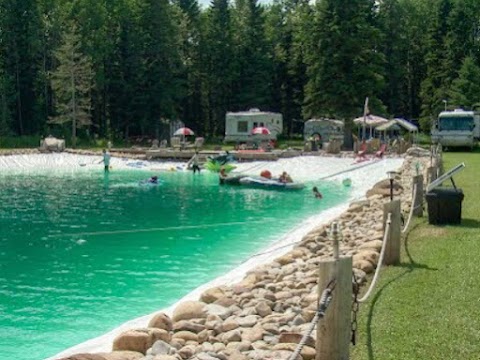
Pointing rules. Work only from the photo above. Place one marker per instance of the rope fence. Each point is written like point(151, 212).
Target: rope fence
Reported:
point(380, 260)
point(323, 303)
point(412, 209)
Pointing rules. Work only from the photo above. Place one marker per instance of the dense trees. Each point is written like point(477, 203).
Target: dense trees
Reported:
point(72, 84)
point(151, 61)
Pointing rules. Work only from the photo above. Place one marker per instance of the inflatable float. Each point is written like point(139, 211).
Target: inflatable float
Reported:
point(232, 180)
point(260, 182)
point(215, 166)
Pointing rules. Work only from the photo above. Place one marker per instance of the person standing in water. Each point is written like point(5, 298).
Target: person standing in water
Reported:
point(223, 175)
point(195, 165)
point(106, 160)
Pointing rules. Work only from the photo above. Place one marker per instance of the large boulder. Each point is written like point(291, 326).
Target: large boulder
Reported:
point(51, 143)
point(189, 310)
point(212, 295)
point(383, 188)
point(161, 321)
point(139, 340)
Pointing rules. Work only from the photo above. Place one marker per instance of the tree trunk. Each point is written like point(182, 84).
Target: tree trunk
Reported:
point(74, 113)
point(19, 100)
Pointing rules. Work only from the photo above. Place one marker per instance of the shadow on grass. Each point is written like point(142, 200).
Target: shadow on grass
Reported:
point(410, 266)
point(470, 223)
point(412, 263)
point(372, 308)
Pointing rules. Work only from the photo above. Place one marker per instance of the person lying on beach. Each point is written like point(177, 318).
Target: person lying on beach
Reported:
point(316, 193)
point(285, 178)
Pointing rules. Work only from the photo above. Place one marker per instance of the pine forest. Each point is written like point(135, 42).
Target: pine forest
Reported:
point(122, 68)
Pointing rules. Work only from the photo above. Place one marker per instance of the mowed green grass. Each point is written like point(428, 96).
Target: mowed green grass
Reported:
point(428, 307)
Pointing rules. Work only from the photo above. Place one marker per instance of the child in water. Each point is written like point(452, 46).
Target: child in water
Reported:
point(316, 193)
point(153, 180)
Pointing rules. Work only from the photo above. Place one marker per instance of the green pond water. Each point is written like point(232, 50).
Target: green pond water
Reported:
point(81, 253)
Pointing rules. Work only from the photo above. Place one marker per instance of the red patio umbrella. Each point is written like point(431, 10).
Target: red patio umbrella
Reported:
point(183, 131)
point(260, 131)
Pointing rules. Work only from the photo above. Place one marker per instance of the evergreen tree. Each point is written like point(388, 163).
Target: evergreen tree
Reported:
point(124, 70)
point(415, 29)
point(5, 116)
point(20, 38)
point(394, 46)
point(465, 91)
point(97, 42)
point(344, 63)
point(286, 37)
point(218, 60)
point(52, 20)
point(188, 13)
point(72, 84)
point(252, 84)
point(462, 38)
point(162, 78)
point(436, 83)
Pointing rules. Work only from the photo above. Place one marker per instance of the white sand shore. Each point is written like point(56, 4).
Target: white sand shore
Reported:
point(305, 168)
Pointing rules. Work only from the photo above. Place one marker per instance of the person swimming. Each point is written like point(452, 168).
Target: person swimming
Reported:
point(153, 180)
point(316, 193)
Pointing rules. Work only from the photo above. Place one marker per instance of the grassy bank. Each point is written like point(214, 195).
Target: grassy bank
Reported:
point(429, 306)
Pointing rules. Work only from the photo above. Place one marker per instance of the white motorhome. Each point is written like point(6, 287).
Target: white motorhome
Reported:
point(239, 125)
point(457, 128)
point(324, 129)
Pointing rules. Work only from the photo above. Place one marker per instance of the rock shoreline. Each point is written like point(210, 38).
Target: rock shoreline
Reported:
point(266, 314)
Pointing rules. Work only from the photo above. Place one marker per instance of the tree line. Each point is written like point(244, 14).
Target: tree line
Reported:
point(122, 68)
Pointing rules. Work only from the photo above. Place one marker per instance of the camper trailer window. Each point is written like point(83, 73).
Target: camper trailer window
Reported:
point(456, 123)
point(242, 126)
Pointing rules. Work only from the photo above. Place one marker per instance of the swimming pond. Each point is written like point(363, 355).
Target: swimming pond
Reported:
point(81, 252)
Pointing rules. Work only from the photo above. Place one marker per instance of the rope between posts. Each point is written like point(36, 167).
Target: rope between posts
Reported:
point(325, 300)
point(380, 260)
point(412, 208)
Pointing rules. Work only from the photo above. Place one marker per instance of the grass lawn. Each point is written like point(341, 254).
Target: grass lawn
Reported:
point(428, 307)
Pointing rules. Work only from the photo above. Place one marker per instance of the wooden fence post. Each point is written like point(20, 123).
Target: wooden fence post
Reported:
point(334, 330)
point(392, 250)
point(417, 202)
point(431, 173)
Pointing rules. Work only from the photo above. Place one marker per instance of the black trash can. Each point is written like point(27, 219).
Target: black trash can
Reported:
point(444, 206)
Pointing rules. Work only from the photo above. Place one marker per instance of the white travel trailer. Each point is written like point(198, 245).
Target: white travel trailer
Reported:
point(324, 129)
point(457, 128)
point(239, 125)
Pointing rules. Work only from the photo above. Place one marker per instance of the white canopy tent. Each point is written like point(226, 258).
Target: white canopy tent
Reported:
point(397, 124)
point(370, 121)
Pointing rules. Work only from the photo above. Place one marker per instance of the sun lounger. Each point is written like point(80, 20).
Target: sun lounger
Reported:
point(381, 151)
point(362, 152)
